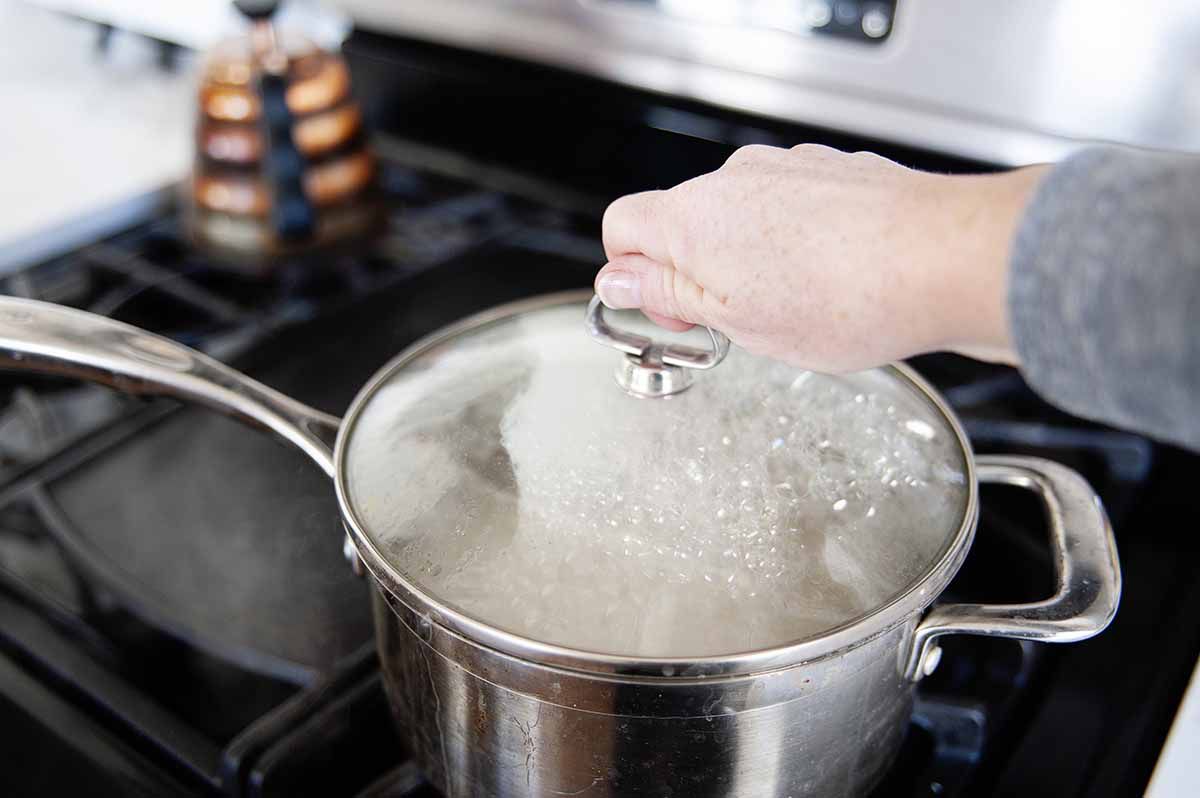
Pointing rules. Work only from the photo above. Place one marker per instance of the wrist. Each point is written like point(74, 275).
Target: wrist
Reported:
point(981, 216)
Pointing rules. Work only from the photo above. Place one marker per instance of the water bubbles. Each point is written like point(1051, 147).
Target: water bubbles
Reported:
point(920, 428)
point(741, 514)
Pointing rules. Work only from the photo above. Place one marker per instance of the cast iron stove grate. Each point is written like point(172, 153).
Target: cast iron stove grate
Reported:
point(97, 690)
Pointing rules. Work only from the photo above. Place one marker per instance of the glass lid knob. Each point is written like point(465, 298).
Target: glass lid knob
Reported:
point(651, 369)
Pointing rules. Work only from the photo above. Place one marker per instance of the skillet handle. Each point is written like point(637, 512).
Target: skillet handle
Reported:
point(45, 338)
point(1085, 559)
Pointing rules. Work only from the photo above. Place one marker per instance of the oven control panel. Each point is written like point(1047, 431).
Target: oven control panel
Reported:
point(867, 21)
point(1007, 82)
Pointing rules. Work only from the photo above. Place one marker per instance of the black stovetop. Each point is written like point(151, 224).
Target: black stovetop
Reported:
point(175, 613)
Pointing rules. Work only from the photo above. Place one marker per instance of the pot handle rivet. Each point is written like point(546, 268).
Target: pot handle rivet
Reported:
point(929, 663)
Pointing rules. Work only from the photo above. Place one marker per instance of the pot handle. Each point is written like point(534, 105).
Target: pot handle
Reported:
point(1085, 559)
point(51, 339)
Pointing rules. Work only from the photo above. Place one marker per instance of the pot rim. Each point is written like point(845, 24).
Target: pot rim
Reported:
point(907, 602)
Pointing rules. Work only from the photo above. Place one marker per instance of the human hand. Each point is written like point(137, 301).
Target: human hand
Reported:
point(831, 261)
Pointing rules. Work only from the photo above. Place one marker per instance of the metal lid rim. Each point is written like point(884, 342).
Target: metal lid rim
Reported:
point(909, 601)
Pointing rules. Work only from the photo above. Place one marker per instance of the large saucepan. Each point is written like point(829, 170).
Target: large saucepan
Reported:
point(491, 711)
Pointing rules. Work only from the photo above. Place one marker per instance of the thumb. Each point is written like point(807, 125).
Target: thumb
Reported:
point(668, 297)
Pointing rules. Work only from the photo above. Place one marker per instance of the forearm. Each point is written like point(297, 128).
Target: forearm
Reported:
point(1104, 290)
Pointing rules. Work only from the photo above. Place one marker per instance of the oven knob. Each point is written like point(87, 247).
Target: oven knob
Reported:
point(817, 13)
point(846, 12)
point(876, 21)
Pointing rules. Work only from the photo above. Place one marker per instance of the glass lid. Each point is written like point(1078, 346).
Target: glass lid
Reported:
point(503, 471)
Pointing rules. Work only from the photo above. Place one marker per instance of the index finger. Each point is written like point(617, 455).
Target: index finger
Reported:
point(635, 225)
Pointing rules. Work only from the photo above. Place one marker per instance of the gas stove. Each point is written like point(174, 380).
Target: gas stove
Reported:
point(176, 617)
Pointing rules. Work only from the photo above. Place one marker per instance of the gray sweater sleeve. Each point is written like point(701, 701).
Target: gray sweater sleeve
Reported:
point(1104, 290)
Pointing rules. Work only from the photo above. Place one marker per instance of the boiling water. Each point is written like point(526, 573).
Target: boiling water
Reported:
point(515, 481)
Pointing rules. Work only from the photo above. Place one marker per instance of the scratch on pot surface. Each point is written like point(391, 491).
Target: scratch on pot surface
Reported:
point(437, 708)
point(595, 781)
point(530, 747)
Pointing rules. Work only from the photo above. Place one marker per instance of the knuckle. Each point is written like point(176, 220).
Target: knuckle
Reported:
point(686, 205)
point(751, 153)
point(617, 210)
point(681, 193)
point(629, 211)
point(815, 151)
point(612, 218)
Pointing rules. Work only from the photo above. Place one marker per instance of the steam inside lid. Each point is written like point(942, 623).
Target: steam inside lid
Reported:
point(505, 474)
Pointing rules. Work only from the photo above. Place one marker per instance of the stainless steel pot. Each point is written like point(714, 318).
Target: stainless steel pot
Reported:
point(491, 713)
